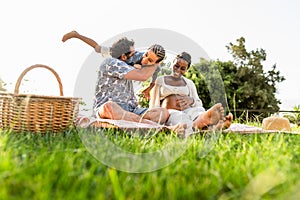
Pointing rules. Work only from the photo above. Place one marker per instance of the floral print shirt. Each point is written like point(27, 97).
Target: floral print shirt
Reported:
point(112, 86)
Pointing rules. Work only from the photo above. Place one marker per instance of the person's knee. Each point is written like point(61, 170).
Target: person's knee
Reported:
point(163, 114)
point(105, 110)
point(159, 115)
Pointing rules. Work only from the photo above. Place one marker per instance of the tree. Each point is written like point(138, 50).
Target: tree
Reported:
point(240, 84)
point(294, 117)
point(247, 86)
point(208, 81)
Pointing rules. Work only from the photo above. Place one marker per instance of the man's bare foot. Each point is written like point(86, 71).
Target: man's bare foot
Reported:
point(211, 117)
point(69, 35)
point(223, 124)
point(228, 121)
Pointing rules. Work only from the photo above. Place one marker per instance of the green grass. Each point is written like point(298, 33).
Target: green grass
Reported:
point(232, 166)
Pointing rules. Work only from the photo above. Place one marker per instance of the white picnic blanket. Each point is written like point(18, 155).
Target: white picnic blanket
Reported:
point(123, 124)
point(243, 128)
point(130, 124)
point(86, 121)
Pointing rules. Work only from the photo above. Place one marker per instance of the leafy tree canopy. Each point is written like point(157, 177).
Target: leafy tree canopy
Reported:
point(247, 85)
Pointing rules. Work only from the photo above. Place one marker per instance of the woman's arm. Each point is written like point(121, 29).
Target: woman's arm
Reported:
point(194, 94)
point(155, 95)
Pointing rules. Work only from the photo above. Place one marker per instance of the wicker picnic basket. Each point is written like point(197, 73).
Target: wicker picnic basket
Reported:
point(37, 113)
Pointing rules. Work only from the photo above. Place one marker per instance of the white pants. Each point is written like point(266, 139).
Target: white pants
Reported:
point(186, 116)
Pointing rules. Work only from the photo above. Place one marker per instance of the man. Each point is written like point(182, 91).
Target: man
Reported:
point(134, 58)
point(114, 97)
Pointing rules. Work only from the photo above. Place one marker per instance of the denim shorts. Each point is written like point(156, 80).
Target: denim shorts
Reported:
point(136, 110)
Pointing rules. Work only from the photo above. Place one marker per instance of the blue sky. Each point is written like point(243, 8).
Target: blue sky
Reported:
point(31, 33)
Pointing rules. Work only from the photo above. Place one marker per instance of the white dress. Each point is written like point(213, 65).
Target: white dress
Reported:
point(161, 90)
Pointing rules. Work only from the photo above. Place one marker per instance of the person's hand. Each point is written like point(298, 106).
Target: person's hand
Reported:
point(69, 35)
point(183, 101)
point(137, 66)
point(177, 102)
point(146, 92)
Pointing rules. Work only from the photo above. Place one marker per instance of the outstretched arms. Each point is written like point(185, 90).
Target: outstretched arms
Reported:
point(75, 34)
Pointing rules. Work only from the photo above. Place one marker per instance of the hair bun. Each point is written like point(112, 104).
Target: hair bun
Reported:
point(185, 56)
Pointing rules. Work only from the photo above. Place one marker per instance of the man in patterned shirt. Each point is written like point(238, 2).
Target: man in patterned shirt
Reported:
point(135, 58)
point(114, 97)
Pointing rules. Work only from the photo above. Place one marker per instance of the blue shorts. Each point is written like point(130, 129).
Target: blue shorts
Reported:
point(136, 110)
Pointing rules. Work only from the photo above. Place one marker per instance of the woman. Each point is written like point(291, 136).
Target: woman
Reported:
point(179, 95)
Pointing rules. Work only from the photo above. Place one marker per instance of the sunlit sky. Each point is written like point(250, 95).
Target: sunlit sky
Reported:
point(31, 33)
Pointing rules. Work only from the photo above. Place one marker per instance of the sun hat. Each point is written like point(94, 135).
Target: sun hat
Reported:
point(276, 123)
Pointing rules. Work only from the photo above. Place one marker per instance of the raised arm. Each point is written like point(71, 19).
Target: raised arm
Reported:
point(75, 34)
point(89, 41)
point(154, 101)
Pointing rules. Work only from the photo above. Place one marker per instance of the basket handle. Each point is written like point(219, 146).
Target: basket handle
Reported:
point(39, 66)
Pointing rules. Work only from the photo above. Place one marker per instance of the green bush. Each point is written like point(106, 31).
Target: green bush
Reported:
point(294, 117)
point(240, 84)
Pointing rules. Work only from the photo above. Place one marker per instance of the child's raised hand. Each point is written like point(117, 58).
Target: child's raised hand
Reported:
point(69, 35)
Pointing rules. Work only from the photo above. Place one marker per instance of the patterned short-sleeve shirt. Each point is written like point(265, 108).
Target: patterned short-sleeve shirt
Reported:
point(112, 86)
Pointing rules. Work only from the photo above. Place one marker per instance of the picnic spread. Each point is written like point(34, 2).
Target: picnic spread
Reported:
point(41, 113)
point(239, 128)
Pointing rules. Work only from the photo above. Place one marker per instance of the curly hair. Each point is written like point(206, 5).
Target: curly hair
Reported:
point(122, 46)
point(159, 51)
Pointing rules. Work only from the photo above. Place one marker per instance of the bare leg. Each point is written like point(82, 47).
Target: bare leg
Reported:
point(111, 110)
point(211, 117)
point(159, 115)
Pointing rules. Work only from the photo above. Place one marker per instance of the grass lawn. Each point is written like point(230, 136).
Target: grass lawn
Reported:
point(229, 166)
